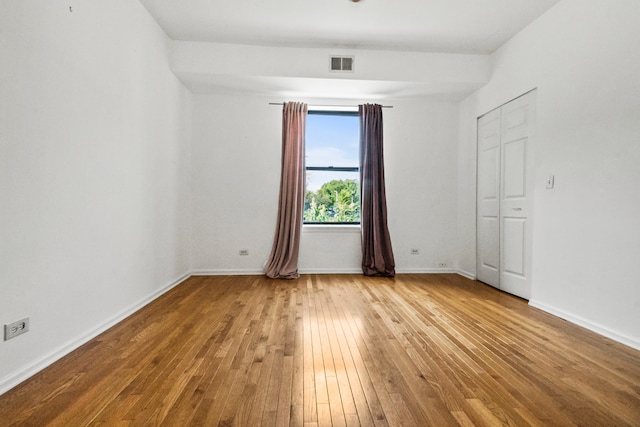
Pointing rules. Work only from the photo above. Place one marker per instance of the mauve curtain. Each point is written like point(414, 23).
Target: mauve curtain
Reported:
point(377, 254)
point(283, 261)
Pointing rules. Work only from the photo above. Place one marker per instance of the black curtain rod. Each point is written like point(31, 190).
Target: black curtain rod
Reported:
point(315, 105)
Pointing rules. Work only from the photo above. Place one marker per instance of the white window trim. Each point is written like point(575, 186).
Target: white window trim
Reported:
point(331, 228)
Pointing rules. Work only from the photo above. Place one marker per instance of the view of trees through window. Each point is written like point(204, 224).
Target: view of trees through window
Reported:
point(332, 193)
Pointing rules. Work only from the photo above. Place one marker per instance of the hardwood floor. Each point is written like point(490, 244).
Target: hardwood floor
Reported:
point(342, 350)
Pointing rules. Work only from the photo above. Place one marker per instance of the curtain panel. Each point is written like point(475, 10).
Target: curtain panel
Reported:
point(283, 260)
point(377, 253)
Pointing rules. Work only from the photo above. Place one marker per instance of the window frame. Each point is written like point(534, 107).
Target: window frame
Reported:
point(320, 111)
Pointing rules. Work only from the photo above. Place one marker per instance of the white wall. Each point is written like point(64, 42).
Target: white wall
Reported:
point(420, 169)
point(94, 158)
point(235, 175)
point(584, 59)
point(236, 169)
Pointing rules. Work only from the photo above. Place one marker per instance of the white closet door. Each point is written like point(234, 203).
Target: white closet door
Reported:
point(516, 205)
point(488, 198)
point(512, 227)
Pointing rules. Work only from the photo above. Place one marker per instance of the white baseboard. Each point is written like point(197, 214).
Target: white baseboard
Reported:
point(357, 270)
point(251, 272)
point(466, 274)
point(580, 321)
point(424, 270)
point(228, 272)
point(330, 271)
point(33, 368)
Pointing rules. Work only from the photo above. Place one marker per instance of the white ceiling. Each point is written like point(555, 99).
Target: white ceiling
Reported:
point(436, 26)
point(451, 26)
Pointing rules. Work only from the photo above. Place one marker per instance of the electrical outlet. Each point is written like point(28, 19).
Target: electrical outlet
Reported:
point(442, 265)
point(550, 181)
point(243, 252)
point(415, 251)
point(14, 329)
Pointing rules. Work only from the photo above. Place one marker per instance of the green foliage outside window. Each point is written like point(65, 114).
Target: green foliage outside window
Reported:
point(337, 201)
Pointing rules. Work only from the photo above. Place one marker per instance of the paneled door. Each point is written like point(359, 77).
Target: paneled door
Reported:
point(488, 198)
point(505, 196)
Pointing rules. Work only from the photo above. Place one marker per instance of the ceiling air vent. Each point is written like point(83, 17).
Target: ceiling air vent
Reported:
point(341, 63)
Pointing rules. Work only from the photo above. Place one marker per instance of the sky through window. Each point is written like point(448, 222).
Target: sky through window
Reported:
point(331, 141)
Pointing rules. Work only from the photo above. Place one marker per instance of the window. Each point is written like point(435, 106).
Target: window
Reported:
point(332, 150)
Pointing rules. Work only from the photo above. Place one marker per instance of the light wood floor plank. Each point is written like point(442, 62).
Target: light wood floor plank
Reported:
point(336, 350)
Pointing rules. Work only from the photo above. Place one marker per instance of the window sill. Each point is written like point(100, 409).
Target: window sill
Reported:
point(331, 228)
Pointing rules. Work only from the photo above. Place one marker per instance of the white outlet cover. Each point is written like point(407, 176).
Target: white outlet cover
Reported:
point(16, 328)
point(550, 181)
